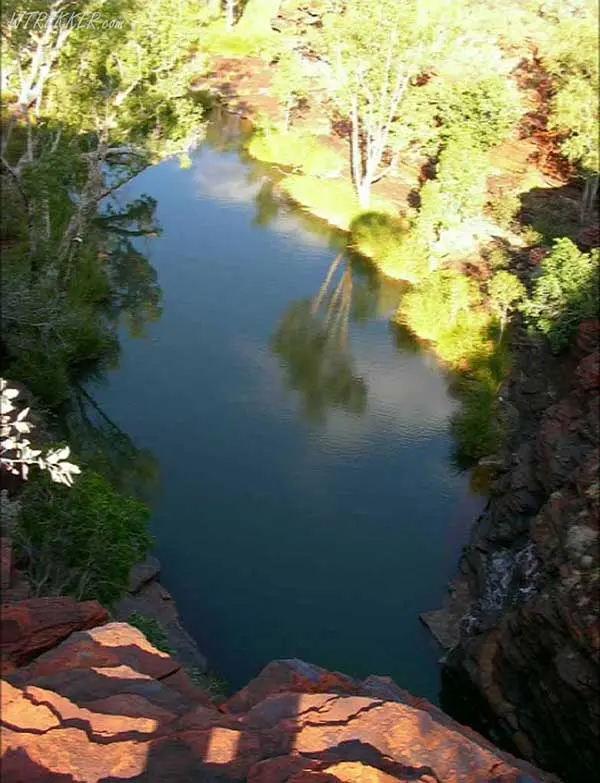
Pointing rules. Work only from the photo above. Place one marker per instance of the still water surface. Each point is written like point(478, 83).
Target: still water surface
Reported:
point(307, 504)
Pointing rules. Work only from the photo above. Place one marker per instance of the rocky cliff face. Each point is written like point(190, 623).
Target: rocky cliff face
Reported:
point(521, 622)
point(104, 705)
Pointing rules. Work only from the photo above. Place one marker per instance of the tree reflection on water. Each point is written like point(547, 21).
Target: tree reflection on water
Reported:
point(312, 344)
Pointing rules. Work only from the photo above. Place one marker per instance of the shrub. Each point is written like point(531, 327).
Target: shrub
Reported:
point(210, 682)
point(459, 190)
point(530, 235)
point(444, 310)
point(390, 243)
point(153, 630)
point(487, 110)
point(565, 293)
point(497, 258)
point(504, 208)
point(433, 307)
point(83, 540)
point(467, 341)
point(45, 373)
point(462, 173)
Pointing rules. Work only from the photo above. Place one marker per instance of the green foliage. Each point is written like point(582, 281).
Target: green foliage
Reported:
point(486, 110)
point(497, 258)
point(459, 190)
point(433, 307)
point(390, 243)
point(153, 630)
point(468, 339)
point(289, 84)
point(461, 172)
point(565, 293)
point(377, 51)
point(83, 540)
point(142, 70)
point(505, 292)
point(51, 328)
point(211, 683)
point(575, 115)
point(295, 149)
point(445, 310)
point(241, 41)
point(531, 236)
point(504, 208)
point(333, 200)
point(258, 14)
point(570, 54)
point(475, 426)
point(377, 235)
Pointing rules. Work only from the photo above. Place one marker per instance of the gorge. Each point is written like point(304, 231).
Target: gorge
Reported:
point(302, 298)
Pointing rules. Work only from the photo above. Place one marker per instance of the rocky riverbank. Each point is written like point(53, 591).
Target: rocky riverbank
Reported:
point(521, 621)
point(145, 598)
point(92, 700)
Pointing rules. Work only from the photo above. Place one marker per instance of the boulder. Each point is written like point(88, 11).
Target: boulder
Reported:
point(113, 644)
point(30, 627)
point(288, 675)
point(143, 572)
point(62, 728)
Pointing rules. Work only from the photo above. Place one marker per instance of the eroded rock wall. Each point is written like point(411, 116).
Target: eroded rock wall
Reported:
point(522, 619)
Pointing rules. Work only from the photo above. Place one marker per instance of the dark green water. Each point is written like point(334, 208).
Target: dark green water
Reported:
point(314, 521)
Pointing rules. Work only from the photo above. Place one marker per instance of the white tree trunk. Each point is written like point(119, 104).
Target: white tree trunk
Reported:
point(229, 14)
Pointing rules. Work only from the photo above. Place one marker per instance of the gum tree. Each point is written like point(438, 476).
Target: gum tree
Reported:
point(376, 52)
point(506, 292)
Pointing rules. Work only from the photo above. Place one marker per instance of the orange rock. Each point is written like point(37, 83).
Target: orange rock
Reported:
point(59, 729)
point(282, 769)
point(67, 754)
point(355, 772)
point(20, 709)
point(288, 675)
point(30, 627)
point(132, 705)
point(99, 726)
point(181, 682)
point(113, 644)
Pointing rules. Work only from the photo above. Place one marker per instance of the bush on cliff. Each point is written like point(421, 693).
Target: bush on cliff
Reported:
point(153, 630)
point(80, 541)
point(565, 293)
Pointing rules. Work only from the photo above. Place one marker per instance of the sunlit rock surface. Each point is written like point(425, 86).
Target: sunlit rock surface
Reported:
point(104, 705)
